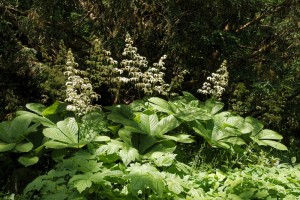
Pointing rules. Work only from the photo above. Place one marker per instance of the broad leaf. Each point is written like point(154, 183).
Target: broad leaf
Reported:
point(160, 105)
point(274, 144)
point(143, 176)
point(64, 135)
point(213, 106)
point(267, 134)
point(36, 107)
point(256, 124)
point(148, 123)
point(165, 125)
point(192, 114)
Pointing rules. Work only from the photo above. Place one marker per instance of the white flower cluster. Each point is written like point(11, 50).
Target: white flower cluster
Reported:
point(135, 70)
point(79, 91)
point(217, 82)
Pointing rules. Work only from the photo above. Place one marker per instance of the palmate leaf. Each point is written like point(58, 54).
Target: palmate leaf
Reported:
point(143, 176)
point(162, 159)
point(221, 132)
point(264, 137)
point(82, 185)
point(161, 105)
point(38, 119)
point(148, 123)
point(128, 155)
point(212, 106)
point(175, 183)
point(64, 135)
point(36, 107)
point(12, 133)
point(192, 114)
point(165, 125)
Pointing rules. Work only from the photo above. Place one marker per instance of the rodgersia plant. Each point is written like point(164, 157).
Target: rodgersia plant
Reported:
point(135, 70)
point(216, 82)
point(79, 91)
point(132, 76)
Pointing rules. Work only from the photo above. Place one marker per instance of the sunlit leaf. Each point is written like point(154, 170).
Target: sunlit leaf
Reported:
point(25, 147)
point(81, 185)
point(6, 146)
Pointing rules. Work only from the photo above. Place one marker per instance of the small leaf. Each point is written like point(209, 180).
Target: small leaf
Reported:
point(174, 185)
point(24, 147)
point(27, 160)
point(101, 138)
point(81, 185)
point(128, 155)
point(6, 146)
point(184, 138)
point(163, 159)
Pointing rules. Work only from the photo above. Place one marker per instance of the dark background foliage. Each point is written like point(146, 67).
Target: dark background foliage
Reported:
point(259, 39)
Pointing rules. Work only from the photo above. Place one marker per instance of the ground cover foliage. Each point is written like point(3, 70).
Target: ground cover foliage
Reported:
point(129, 152)
point(122, 126)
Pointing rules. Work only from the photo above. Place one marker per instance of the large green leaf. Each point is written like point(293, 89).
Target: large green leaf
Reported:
point(222, 130)
point(15, 130)
point(267, 134)
point(36, 107)
point(143, 142)
point(165, 125)
point(64, 135)
point(274, 144)
point(117, 118)
point(256, 124)
point(212, 106)
point(192, 114)
point(264, 137)
point(148, 123)
point(38, 119)
point(240, 123)
point(160, 105)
